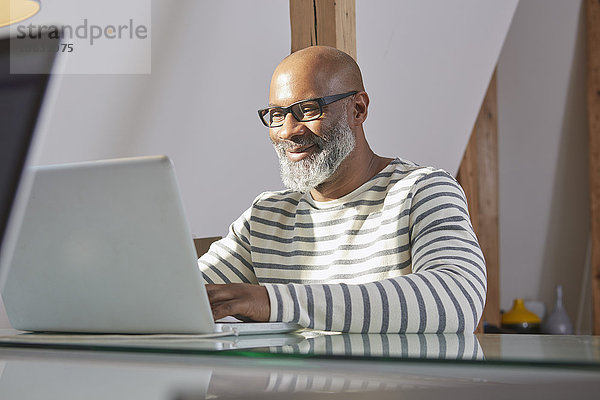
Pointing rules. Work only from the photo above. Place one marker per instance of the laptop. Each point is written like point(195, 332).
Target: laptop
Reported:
point(105, 247)
point(25, 69)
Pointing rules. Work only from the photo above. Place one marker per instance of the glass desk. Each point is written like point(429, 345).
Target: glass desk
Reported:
point(307, 364)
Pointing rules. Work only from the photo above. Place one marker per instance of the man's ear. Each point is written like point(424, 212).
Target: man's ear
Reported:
point(360, 108)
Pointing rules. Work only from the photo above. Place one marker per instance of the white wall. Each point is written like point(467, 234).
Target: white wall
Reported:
point(544, 209)
point(208, 57)
point(427, 66)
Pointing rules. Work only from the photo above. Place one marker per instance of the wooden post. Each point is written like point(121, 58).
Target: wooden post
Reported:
point(593, 84)
point(203, 244)
point(478, 175)
point(324, 22)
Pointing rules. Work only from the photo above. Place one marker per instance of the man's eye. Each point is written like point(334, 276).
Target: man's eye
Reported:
point(277, 115)
point(309, 109)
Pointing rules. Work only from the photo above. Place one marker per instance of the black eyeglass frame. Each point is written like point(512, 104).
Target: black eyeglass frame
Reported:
point(321, 101)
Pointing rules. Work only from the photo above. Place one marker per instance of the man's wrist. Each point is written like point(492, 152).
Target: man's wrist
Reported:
point(275, 305)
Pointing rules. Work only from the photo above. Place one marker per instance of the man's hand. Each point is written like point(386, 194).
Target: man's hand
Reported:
point(239, 299)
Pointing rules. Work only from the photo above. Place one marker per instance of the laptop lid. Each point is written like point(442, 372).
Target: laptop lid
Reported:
point(105, 247)
point(24, 80)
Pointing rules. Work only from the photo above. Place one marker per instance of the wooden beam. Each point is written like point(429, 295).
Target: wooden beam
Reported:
point(302, 23)
point(324, 22)
point(487, 156)
point(468, 176)
point(478, 175)
point(593, 84)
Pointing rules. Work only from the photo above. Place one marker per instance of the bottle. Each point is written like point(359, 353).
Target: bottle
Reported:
point(558, 322)
point(520, 320)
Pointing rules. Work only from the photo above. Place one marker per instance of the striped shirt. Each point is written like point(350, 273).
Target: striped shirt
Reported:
point(398, 254)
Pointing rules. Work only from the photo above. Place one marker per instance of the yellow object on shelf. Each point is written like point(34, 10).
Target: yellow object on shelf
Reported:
point(520, 319)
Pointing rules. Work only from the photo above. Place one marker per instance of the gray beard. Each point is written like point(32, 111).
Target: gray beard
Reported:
point(334, 146)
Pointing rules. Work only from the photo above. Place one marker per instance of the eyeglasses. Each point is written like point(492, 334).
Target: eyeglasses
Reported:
point(303, 110)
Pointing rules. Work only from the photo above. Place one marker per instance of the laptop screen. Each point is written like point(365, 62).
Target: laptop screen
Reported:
point(21, 97)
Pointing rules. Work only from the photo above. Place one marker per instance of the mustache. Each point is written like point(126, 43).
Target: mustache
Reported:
point(301, 141)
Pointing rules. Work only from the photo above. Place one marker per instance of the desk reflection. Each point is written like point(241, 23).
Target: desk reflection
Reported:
point(76, 379)
point(430, 346)
point(420, 346)
point(307, 342)
point(93, 380)
point(27, 373)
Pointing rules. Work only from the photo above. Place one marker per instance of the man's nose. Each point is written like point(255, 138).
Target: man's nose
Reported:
point(290, 128)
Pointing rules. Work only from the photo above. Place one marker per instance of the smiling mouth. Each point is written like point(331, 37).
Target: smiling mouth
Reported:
point(301, 149)
point(299, 153)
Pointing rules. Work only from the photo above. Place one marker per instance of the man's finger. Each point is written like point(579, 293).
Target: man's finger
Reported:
point(217, 293)
point(225, 309)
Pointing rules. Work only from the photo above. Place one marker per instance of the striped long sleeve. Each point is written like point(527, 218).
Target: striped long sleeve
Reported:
point(398, 254)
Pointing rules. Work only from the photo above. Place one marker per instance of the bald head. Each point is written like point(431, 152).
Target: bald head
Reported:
point(314, 71)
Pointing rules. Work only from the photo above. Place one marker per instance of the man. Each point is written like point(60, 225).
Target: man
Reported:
point(359, 242)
